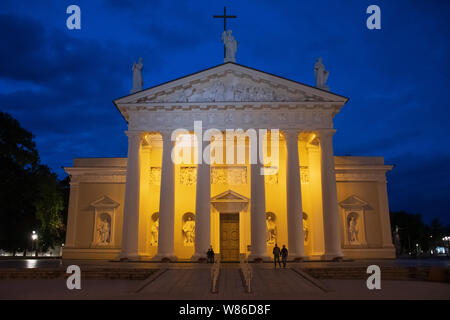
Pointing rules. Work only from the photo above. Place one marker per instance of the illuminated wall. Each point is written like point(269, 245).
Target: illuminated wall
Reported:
point(359, 179)
point(185, 190)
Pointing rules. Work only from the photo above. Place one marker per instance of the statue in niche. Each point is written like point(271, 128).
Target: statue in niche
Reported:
point(321, 75)
point(189, 231)
point(305, 227)
point(352, 229)
point(305, 232)
point(104, 229)
point(230, 46)
point(271, 229)
point(138, 82)
point(154, 231)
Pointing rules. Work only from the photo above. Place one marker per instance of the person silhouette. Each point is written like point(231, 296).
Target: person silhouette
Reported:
point(276, 255)
point(284, 255)
point(210, 255)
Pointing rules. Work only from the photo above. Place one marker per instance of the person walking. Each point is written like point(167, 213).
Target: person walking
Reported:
point(210, 255)
point(284, 255)
point(276, 255)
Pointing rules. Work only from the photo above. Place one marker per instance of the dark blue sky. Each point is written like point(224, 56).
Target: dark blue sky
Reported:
point(59, 84)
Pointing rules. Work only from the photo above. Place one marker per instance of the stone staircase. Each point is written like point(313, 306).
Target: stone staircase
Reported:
point(438, 274)
point(94, 273)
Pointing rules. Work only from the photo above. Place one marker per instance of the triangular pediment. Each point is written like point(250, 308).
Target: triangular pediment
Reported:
point(355, 203)
point(104, 202)
point(230, 82)
point(229, 196)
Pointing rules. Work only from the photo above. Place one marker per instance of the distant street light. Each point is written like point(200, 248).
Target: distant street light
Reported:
point(447, 239)
point(34, 238)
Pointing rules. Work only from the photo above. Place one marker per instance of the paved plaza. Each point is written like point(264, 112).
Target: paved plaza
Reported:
point(137, 280)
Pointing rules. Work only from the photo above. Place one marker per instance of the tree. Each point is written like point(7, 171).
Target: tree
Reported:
point(49, 205)
point(436, 229)
point(413, 232)
point(18, 159)
point(31, 197)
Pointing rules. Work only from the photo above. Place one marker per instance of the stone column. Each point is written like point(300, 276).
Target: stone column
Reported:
point(72, 214)
point(258, 214)
point(315, 185)
point(202, 207)
point(385, 222)
point(166, 202)
point(294, 197)
point(329, 197)
point(131, 205)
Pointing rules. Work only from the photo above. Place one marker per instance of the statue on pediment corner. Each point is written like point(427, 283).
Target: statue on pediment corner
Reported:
point(138, 82)
point(321, 75)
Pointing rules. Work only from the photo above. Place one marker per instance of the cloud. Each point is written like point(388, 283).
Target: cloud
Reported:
point(69, 109)
point(23, 54)
point(60, 84)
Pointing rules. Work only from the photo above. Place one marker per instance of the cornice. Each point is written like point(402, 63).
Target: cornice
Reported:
point(97, 174)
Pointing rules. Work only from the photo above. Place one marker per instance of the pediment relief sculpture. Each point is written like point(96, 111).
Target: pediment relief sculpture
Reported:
point(230, 87)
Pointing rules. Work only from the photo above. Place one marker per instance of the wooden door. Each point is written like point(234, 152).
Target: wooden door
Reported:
point(229, 237)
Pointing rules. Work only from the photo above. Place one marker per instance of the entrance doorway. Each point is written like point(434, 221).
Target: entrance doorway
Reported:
point(229, 236)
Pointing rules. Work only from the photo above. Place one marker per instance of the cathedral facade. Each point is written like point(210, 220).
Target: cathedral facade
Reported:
point(234, 158)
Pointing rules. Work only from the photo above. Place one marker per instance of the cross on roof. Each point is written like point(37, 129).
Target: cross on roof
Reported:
point(224, 17)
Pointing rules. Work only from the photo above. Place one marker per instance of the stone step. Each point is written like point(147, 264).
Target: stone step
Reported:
point(129, 274)
point(440, 274)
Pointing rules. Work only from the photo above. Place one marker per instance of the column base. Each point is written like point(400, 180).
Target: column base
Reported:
point(332, 257)
point(316, 256)
point(298, 258)
point(128, 257)
point(259, 257)
point(132, 258)
point(199, 257)
point(165, 257)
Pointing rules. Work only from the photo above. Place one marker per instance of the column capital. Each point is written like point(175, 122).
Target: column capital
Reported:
point(313, 145)
point(323, 133)
point(166, 134)
point(291, 134)
point(135, 134)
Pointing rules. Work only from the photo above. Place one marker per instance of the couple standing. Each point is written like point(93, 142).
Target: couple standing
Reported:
point(277, 253)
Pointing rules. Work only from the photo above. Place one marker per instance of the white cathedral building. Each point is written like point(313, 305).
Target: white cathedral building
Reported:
point(234, 158)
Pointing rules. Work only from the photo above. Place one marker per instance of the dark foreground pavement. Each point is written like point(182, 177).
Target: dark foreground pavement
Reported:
point(46, 279)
